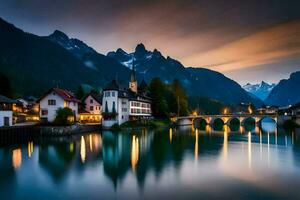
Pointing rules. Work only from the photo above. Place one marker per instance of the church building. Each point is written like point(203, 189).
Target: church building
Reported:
point(120, 105)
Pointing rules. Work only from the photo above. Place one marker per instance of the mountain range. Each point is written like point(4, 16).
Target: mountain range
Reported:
point(35, 63)
point(286, 92)
point(261, 90)
point(197, 81)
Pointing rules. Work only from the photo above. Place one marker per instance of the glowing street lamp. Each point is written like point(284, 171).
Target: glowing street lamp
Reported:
point(250, 110)
point(194, 113)
point(226, 111)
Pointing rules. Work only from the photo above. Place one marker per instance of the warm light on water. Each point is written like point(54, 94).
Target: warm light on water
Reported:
point(17, 158)
point(196, 145)
point(82, 149)
point(134, 152)
point(30, 149)
point(178, 163)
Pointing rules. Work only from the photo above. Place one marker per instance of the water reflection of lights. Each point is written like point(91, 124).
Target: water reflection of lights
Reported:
point(30, 149)
point(17, 158)
point(71, 147)
point(82, 150)
point(134, 152)
point(268, 149)
point(208, 129)
point(97, 141)
point(225, 143)
point(249, 150)
point(91, 145)
point(196, 145)
point(170, 134)
point(260, 144)
point(257, 129)
point(242, 129)
point(192, 129)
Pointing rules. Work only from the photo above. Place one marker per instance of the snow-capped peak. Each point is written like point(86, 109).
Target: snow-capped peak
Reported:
point(77, 47)
point(261, 90)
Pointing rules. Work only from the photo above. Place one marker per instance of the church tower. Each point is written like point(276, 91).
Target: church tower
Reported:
point(133, 82)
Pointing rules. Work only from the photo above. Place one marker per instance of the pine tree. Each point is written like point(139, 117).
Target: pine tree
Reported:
point(106, 107)
point(179, 102)
point(157, 90)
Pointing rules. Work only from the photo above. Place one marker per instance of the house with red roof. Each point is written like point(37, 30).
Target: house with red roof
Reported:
point(54, 99)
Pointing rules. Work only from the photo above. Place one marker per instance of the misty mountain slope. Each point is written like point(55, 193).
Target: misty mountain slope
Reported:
point(215, 85)
point(108, 67)
point(286, 92)
point(33, 63)
point(261, 90)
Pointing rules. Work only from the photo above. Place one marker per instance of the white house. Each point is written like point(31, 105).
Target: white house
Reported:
point(6, 111)
point(93, 109)
point(121, 105)
point(54, 99)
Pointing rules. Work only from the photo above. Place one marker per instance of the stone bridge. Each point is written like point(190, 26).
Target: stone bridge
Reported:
point(210, 119)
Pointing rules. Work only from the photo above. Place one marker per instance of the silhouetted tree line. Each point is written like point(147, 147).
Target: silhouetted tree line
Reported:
point(168, 99)
point(204, 105)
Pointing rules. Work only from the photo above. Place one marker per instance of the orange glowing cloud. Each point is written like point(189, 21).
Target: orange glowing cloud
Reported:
point(265, 47)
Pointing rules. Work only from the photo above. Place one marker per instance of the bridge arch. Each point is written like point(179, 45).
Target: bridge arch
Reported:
point(234, 121)
point(264, 118)
point(234, 124)
point(217, 123)
point(200, 122)
point(249, 123)
point(250, 120)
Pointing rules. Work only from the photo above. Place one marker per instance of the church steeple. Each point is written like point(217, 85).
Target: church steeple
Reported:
point(133, 82)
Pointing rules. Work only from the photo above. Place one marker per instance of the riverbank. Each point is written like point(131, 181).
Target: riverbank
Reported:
point(153, 123)
point(68, 130)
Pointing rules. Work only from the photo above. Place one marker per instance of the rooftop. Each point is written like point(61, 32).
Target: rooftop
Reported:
point(4, 99)
point(66, 95)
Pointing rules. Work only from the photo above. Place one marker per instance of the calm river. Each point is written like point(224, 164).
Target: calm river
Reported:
point(180, 163)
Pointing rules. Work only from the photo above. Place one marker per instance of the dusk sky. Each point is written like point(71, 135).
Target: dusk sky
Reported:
point(248, 41)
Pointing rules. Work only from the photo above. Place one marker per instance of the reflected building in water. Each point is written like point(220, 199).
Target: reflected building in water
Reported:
point(142, 152)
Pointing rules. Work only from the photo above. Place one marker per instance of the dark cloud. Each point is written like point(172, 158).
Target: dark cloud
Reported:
point(187, 30)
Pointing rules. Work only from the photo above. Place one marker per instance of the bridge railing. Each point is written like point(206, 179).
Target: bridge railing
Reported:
point(229, 115)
